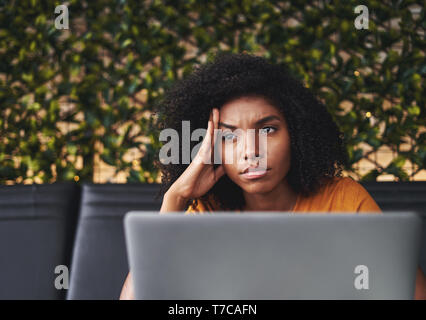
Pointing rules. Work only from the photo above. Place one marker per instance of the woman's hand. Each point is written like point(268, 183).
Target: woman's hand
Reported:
point(200, 176)
point(127, 292)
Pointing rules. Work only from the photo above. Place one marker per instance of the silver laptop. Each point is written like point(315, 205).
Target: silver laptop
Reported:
point(273, 255)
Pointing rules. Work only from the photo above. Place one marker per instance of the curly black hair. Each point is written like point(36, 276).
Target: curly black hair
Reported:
point(318, 151)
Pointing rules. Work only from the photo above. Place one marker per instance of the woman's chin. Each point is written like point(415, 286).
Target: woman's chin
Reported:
point(254, 187)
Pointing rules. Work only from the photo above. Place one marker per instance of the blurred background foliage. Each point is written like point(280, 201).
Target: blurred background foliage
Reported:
point(73, 101)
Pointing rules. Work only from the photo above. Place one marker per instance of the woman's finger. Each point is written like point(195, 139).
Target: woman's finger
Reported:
point(215, 116)
point(204, 153)
point(215, 124)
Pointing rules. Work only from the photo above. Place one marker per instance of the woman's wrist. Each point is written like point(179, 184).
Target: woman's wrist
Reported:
point(173, 201)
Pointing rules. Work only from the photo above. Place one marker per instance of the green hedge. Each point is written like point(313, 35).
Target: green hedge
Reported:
point(99, 79)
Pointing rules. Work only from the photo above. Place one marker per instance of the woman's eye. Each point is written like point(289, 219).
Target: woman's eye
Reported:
point(267, 130)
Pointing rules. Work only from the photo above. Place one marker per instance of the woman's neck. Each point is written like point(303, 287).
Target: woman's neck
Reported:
point(281, 198)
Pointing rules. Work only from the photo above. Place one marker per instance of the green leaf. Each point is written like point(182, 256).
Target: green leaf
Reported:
point(414, 110)
point(108, 159)
point(126, 43)
point(399, 161)
point(371, 175)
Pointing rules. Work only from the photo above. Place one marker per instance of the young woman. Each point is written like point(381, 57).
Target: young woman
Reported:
point(298, 171)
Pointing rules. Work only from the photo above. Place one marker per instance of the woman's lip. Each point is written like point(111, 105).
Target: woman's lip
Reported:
point(255, 174)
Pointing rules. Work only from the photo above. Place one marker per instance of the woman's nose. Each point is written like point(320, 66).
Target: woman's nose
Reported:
point(253, 145)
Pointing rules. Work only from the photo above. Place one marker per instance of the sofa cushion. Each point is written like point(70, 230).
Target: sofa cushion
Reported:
point(100, 265)
point(37, 224)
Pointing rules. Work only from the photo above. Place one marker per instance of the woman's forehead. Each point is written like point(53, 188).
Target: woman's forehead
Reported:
point(248, 109)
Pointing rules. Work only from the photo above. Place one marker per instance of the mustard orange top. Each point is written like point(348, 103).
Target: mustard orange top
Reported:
point(341, 194)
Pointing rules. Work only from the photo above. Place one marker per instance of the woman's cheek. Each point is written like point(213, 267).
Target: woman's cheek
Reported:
point(229, 154)
point(280, 148)
point(226, 159)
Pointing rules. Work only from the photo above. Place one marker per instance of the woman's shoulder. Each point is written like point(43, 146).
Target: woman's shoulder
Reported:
point(350, 188)
point(361, 198)
point(342, 184)
point(340, 194)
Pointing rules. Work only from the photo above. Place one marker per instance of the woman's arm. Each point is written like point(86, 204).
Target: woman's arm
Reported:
point(171, 202)
point(198, 178)
point(420, 293)
point(127, 292)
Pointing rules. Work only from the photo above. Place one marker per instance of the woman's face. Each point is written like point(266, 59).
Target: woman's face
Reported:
point(257, 160)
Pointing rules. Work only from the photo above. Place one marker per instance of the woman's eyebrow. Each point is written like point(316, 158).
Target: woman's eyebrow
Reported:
point(266, 119)
point(227, 126)
point(258, 122)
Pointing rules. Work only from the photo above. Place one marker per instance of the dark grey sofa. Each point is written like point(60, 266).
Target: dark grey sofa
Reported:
point(42, 226)
point(37, 227)
point(99, 264)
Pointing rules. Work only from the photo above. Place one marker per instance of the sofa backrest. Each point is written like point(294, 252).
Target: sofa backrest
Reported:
point(393, 196)
point(99, 264)
point(37, 225)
